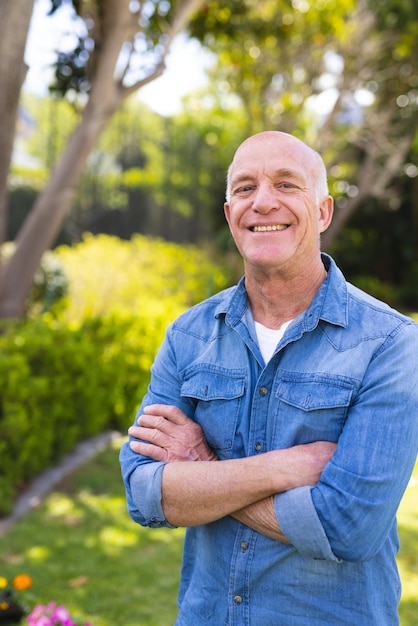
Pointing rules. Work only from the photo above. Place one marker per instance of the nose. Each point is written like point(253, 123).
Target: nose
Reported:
point(265, 198)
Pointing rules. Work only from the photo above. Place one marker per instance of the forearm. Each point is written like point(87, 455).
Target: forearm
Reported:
point(261, 517)
point(197, 488)
point(200, 493)
point(195, 493)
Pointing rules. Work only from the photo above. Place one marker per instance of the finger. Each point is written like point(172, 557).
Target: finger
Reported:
point(150, 435)
point(149, 450)
point(170, 412)
point(155, 421)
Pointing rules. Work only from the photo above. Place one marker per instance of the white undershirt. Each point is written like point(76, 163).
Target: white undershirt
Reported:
point(268, 338)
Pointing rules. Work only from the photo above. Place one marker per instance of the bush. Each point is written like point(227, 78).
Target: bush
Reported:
point(50, 283)
point(61, 384)
point(71, 374)
point(378, 288)
point(144, 276)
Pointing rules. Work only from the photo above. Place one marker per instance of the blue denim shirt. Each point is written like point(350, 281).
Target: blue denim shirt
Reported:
point(344, 371)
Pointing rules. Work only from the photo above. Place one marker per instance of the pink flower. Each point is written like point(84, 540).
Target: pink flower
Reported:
point(51, 615)
point(39, 616)
point(62, 616)
point(43, 620)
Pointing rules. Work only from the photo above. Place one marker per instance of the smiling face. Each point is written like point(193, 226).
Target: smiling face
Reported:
point(277, 202)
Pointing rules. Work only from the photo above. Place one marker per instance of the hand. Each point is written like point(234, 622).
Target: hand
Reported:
point(167, 434)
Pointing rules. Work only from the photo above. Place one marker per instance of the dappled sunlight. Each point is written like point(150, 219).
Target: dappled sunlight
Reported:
point(81, 565)
point(80, 544)
point(38, 554)
point(60, 506)
point(113, 537)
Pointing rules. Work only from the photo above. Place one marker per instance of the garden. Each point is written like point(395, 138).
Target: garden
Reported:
point(83, 552)
point(75, 367)
point(84, 153)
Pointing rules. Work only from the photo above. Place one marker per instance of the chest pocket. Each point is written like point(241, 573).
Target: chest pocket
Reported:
point(218, 394)
point(310, 410)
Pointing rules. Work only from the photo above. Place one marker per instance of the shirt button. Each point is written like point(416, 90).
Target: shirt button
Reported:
point(264, 391)
point(237, 599)
point(244, 545)
point(258, 446)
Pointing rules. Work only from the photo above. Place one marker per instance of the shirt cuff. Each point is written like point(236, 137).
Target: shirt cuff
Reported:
point(299, 522)
point(145, 483)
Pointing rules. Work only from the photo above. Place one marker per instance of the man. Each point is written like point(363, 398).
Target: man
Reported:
point(280, 425)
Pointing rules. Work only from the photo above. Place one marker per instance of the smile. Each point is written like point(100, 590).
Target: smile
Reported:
point(263, 229)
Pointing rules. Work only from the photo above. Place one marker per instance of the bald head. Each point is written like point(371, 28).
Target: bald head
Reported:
point(275, 141)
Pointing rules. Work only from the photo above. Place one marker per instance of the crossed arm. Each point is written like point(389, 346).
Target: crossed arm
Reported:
point(197, 488)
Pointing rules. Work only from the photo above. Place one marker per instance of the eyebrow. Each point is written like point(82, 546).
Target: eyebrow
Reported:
point(280, 173)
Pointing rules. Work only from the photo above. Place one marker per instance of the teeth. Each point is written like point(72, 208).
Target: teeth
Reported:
point(263, 229)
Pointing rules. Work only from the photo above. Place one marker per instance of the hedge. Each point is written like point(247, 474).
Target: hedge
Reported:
point(62, 384)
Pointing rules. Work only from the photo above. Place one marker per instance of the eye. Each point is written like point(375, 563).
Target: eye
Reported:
point(286, 185)
point(244, 189)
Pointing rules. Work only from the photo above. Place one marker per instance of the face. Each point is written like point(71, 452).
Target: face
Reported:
point(274, 211)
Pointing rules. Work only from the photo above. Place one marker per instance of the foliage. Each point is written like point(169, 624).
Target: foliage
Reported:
point(74, 67)
point(63, 384)
point(271, 53)
point(343, 77)
point(148, 278)
point(83, 369)
point(125, 47)
point(157, 169)
point(50, 282)
point(50, 123)
point(79, 546)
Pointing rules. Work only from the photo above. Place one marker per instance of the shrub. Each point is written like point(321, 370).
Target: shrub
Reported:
point(144, 276)
point(50, 282)
point(75, 372)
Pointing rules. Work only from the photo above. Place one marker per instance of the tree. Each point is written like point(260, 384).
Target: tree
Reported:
point(281, 58)
point(122, 48)
point(14, 24)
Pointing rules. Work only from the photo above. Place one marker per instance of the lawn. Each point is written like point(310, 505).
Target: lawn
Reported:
point(83, 551)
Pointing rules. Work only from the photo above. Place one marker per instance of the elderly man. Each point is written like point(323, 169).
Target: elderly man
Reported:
point(280, 425)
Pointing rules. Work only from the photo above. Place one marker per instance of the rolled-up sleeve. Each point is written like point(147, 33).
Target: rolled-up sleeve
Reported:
point(349, 514)
point(299, 522)
point(143, 476)
point(143, 490)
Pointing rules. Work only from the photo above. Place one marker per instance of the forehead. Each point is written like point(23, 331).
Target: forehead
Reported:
point(259, 157)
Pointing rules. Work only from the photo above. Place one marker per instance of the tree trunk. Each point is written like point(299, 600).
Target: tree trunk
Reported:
point(44, 222)
point(14, 24)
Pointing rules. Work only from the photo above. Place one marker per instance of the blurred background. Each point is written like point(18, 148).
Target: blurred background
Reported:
point(118, 120)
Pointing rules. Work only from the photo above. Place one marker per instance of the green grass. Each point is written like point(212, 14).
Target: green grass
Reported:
point(408, 555)
point(83, 551)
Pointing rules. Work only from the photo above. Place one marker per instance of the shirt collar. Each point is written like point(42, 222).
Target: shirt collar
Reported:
point(329, 304)
point(331, 300)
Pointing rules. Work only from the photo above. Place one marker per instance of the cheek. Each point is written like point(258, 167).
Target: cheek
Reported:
point(232, 216)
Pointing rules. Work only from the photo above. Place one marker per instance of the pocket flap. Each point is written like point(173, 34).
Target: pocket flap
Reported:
point(311, 396)
point(211, 384)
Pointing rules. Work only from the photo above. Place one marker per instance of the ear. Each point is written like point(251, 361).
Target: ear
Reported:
point(227, 212)
point(326, 210)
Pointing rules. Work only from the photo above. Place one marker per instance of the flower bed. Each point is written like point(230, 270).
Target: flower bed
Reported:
point(13, 611)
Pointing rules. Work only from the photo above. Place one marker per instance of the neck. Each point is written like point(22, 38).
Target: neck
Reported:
point(276, 299)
